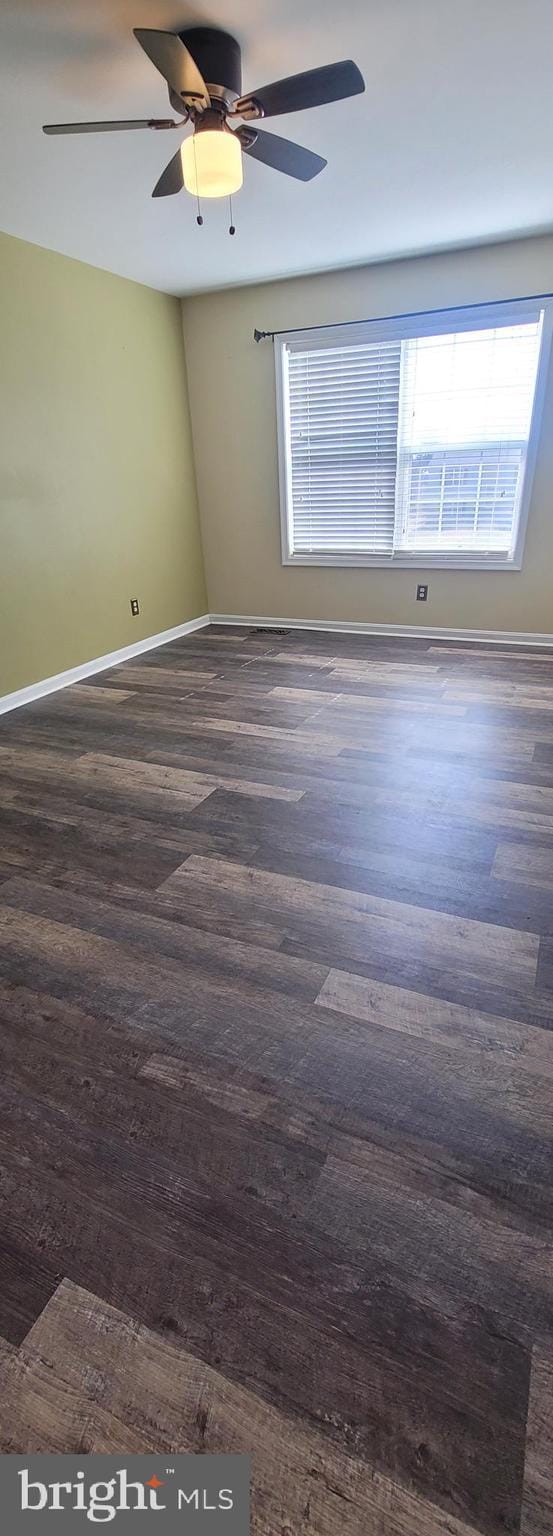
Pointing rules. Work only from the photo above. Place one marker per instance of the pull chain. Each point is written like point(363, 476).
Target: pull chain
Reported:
point(232, 227)
point(199, 218)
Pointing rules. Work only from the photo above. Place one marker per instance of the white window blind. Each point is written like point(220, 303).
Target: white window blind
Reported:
point(343, 411)
point(409, 439)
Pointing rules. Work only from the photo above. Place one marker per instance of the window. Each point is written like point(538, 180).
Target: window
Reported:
point(411, 442)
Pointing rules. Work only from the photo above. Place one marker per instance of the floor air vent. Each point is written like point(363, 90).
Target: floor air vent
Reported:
point(269, 631)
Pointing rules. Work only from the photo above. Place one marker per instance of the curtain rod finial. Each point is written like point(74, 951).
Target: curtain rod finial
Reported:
point(262, 335)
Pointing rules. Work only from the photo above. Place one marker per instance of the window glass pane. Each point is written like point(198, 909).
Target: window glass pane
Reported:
point(464, 422)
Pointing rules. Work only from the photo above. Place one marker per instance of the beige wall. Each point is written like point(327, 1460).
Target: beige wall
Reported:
point(97, 488)
point(232, 397)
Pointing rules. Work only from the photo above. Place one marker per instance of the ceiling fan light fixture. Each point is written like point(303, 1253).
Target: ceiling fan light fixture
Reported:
point(212, 162)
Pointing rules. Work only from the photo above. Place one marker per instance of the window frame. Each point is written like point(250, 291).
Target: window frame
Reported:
point(474, 317)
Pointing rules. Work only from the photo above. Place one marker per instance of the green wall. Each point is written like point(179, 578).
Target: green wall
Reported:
point(97, 490)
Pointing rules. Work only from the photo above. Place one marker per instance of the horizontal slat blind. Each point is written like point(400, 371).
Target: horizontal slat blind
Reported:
point(343, 422)
point(411, 437)
point(464, 423)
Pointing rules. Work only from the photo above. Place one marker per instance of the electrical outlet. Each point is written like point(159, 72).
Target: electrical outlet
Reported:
point(422, 593)
point(135, 606)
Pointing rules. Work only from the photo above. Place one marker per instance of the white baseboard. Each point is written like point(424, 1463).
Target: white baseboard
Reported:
point(100, 664)
point(409, 631)
point(254, 621)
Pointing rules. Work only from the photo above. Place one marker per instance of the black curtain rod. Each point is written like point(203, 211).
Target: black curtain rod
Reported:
point(408, 314)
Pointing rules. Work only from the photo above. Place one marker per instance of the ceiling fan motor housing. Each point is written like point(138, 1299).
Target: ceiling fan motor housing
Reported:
point(219, 60)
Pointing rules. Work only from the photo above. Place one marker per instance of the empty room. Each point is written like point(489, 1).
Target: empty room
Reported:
point(276, 766)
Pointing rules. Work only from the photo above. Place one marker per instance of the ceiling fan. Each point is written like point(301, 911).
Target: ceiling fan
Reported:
point(203, 70)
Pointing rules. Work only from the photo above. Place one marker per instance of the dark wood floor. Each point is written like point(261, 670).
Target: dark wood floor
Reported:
point(276, 1088)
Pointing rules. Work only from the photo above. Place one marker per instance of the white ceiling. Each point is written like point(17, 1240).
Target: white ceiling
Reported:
point(451, 143)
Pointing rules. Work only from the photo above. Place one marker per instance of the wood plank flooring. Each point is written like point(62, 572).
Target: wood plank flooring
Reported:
point(276, 1087)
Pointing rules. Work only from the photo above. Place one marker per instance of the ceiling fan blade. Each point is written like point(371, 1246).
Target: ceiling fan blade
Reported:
point(312, 89)
point(281, 153)
point(171, 179)
point(116, 127)
point(175, 63)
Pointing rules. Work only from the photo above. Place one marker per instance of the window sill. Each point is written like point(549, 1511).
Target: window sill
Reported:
point(406, 562)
